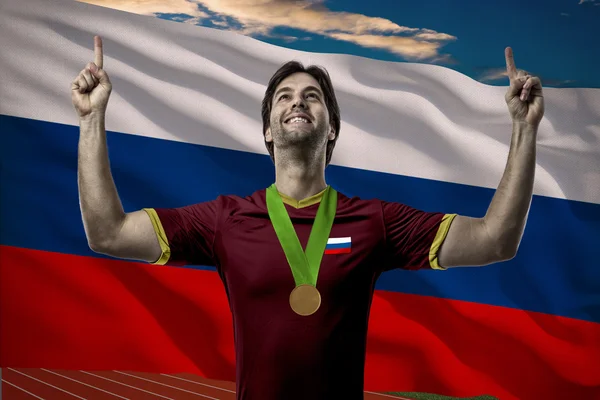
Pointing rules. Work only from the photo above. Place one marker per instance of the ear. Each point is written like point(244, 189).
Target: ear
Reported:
point(331, 135)
point(268, 136)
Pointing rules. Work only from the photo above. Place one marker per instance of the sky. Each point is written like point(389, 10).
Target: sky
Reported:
point(557, 40)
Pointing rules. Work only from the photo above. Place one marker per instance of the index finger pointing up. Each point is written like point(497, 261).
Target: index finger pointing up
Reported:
point(510, 63)
point(98, 51)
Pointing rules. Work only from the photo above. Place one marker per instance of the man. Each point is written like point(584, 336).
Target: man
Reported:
point(299, 260)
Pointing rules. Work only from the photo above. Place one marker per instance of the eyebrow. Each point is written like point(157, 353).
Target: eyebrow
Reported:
point(306, 89)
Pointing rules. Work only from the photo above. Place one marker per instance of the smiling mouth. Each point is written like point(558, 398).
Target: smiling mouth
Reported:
point(297, 120)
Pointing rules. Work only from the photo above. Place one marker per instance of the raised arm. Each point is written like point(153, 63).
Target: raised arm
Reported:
point(496, 236)
point(108, 228)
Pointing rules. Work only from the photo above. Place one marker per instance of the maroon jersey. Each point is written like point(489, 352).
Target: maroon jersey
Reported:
point(279, 354)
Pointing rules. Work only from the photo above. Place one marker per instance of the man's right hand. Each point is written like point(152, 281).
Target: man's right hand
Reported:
point(91, 89)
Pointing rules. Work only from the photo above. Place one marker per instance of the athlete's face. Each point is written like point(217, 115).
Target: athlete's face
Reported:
point(299, 115)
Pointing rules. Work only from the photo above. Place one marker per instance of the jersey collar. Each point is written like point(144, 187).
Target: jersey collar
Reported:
point(309, 201)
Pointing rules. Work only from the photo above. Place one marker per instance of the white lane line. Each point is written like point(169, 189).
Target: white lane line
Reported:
point(200, 383)
point(45, 383)
point(124, 384)
point(20, 388)
point(83, 383)
point(164, 384)
point(388, 395)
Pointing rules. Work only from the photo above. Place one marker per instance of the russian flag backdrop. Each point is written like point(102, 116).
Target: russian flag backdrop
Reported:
point(338, 245)
point(184, 126)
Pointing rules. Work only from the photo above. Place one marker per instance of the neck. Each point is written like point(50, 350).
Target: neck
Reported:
point(299, 176)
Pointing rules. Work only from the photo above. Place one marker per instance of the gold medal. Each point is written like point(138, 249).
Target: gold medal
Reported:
point(305, 299)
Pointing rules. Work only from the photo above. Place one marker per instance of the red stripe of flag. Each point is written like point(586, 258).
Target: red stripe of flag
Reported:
point(338, 251)
point(61, 311)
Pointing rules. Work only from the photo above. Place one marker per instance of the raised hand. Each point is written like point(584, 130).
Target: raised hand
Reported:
point(90, 90)
point(524, 96)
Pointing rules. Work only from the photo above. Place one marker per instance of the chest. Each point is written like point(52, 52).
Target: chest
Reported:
point(254, 264)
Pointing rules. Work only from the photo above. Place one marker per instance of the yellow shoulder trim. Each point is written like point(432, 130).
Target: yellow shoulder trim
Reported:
point(161, 235)
point(309, 201)
point(440, 236)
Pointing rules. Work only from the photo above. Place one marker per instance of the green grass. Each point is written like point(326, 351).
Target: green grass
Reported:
point(431, 396)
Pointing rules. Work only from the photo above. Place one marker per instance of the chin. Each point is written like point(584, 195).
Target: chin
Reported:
point(298, 133)
point(296, 139)
point(299, 128)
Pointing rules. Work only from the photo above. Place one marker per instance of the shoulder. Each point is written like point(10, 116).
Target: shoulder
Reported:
point(220, 203)
point(355, 205)
point(256, 199)
point(389, 211)
point(227, 205)
point(357, 202)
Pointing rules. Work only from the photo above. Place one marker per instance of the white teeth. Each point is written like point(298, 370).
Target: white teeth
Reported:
point(298, 119)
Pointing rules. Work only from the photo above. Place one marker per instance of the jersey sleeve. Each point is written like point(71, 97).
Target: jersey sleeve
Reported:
point(186, 234)
point(413, 237)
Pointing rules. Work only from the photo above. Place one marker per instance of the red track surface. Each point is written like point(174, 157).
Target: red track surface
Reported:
point(29, 384)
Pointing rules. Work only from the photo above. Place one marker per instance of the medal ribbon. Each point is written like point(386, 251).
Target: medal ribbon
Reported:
point(304, 266)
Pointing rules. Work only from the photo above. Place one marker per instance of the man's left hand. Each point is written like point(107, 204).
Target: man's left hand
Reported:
point(524, 96)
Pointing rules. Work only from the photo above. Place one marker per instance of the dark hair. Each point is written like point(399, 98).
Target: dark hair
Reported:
point(322, 77)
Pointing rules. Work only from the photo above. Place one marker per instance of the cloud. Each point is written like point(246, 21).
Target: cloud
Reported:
point(290, 39)
point(564, 14)
point(306, 15)
point(493, 74)
point(152, 7)
point(595, 2)
point(185, 19)
point(408, 47)
point(557, 82)
point(429, 34)
point(222, 24)
point(444, 59)
point(261, 17)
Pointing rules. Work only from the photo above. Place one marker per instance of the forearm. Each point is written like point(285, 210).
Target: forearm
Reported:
point(507, 214)
point(101, 208)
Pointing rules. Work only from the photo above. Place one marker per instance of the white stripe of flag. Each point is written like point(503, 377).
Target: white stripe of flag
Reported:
point(339, 240)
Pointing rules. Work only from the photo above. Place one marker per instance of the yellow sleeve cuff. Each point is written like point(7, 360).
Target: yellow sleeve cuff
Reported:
point(438, 240)
point(161, 235)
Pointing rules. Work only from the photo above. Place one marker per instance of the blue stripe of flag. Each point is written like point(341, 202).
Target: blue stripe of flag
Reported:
point(554, 271)
point(338, 246)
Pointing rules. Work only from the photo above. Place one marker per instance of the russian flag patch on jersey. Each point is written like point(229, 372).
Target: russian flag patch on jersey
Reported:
point(338, 245)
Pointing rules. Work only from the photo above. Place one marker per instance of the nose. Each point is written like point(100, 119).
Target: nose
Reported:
point(299, 102)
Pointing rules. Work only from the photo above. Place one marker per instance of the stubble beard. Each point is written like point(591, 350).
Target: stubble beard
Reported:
point(297, 139)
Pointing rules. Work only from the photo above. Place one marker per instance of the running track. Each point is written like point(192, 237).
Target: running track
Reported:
point(45, 384)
